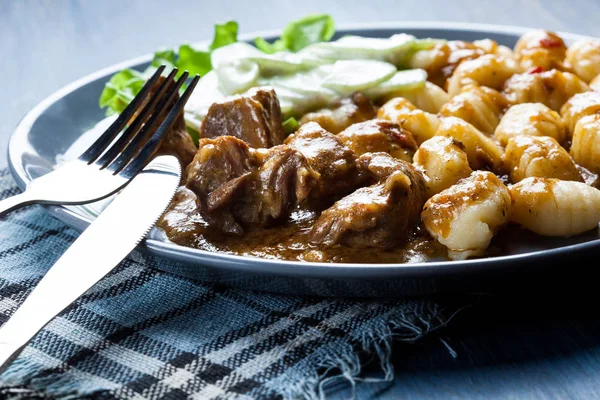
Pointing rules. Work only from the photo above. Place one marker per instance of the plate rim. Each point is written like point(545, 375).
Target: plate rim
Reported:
point(171, 251)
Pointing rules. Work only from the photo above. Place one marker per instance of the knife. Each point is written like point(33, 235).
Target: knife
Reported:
point(100, 248)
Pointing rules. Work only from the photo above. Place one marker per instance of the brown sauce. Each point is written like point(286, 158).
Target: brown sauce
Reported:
point(183, 225)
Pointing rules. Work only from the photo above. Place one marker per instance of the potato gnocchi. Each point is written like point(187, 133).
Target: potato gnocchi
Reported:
point(488, 70)
point(480, 106)
point(421, 124)
point(585, 145)
point(579, 106)
point(583, 57)
point(465, 217)
point(531, 119)
point(443, 162)
point(540, 49)
point(538, 156)
point(482, 151)
point(552, 207)
point(552, 88)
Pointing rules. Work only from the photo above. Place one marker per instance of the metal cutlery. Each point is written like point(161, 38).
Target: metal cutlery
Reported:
point(109, 239)
point(109, 164)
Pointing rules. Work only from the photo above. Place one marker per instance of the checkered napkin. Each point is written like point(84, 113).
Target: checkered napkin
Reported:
point(145, 334)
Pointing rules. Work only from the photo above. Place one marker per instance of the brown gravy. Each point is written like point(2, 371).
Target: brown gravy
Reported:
point(184, 225)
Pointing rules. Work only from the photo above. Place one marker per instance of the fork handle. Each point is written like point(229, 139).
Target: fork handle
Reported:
point(14, 202)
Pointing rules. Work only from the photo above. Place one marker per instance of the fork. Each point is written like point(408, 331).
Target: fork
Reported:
point(106, 167)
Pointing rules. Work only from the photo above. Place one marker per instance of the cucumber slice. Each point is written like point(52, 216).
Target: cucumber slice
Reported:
point(402, 80)
point(238, 76)
point(355, 47)
point(348, 76)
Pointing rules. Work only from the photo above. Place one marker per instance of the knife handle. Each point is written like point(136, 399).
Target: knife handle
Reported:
point(61, 286)
point(98, 250)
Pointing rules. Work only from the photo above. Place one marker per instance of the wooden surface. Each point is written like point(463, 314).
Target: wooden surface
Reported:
point(543, 345)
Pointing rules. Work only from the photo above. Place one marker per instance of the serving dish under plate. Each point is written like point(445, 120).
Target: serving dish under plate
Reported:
point(43, 136)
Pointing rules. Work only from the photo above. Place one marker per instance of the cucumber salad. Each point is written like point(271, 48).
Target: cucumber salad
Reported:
point(306, 68)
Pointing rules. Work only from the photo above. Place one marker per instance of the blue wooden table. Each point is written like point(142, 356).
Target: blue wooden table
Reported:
point(542, 345)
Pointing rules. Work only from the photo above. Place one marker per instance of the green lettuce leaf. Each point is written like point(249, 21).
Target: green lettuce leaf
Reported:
point(300, 34)
point(166, 57)
point(194, 60)
point(124, 85)
point(267, 47)
point(120, 90)
point(290, 125)
point(224, 34)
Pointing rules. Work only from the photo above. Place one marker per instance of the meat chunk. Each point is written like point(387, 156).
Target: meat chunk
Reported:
point(178, 142)
point(254, 118)
point(380, 215)
point(237, 186)
point(379, 135)
point(219, 172)
point(283, 179)
point(357, 108)
point(327, 155)
point(182, 222)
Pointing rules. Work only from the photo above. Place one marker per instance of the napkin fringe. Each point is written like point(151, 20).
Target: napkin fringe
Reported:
point(346, 363)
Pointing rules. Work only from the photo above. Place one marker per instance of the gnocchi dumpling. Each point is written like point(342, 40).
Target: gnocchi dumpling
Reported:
point(531, 119)
point(585, 146)
point(595, 83)
point(481, 150)
point(540, 48)
point(421, 124)
point(542, 156)
point(490, 46)
point(479, 106)
point(432, 60)
point(552, 207)
point(583, 57)
point(429, 97)
point(488, 70)
point(465, 217)
point(443, 162)
point(441, 60)
point(379, 136)
point(552, 88)
point(579, 106)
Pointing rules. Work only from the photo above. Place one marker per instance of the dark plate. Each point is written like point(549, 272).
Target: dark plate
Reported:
point(53, 126)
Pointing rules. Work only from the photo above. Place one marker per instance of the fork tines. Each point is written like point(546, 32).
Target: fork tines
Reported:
point(148, 117)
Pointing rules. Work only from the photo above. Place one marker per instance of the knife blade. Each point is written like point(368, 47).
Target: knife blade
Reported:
point(100, 248)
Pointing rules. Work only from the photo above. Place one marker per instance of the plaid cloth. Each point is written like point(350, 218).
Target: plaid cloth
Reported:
point(145, 334)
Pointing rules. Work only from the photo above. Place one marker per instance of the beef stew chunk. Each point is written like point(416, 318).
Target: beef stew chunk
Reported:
point(357, 108)
point(379, 135)
point(237, 186)
point(254, 118)
point(283, 179)
point(380, 215)
point(328, 156)
point(178, 142)
point(218, 172)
